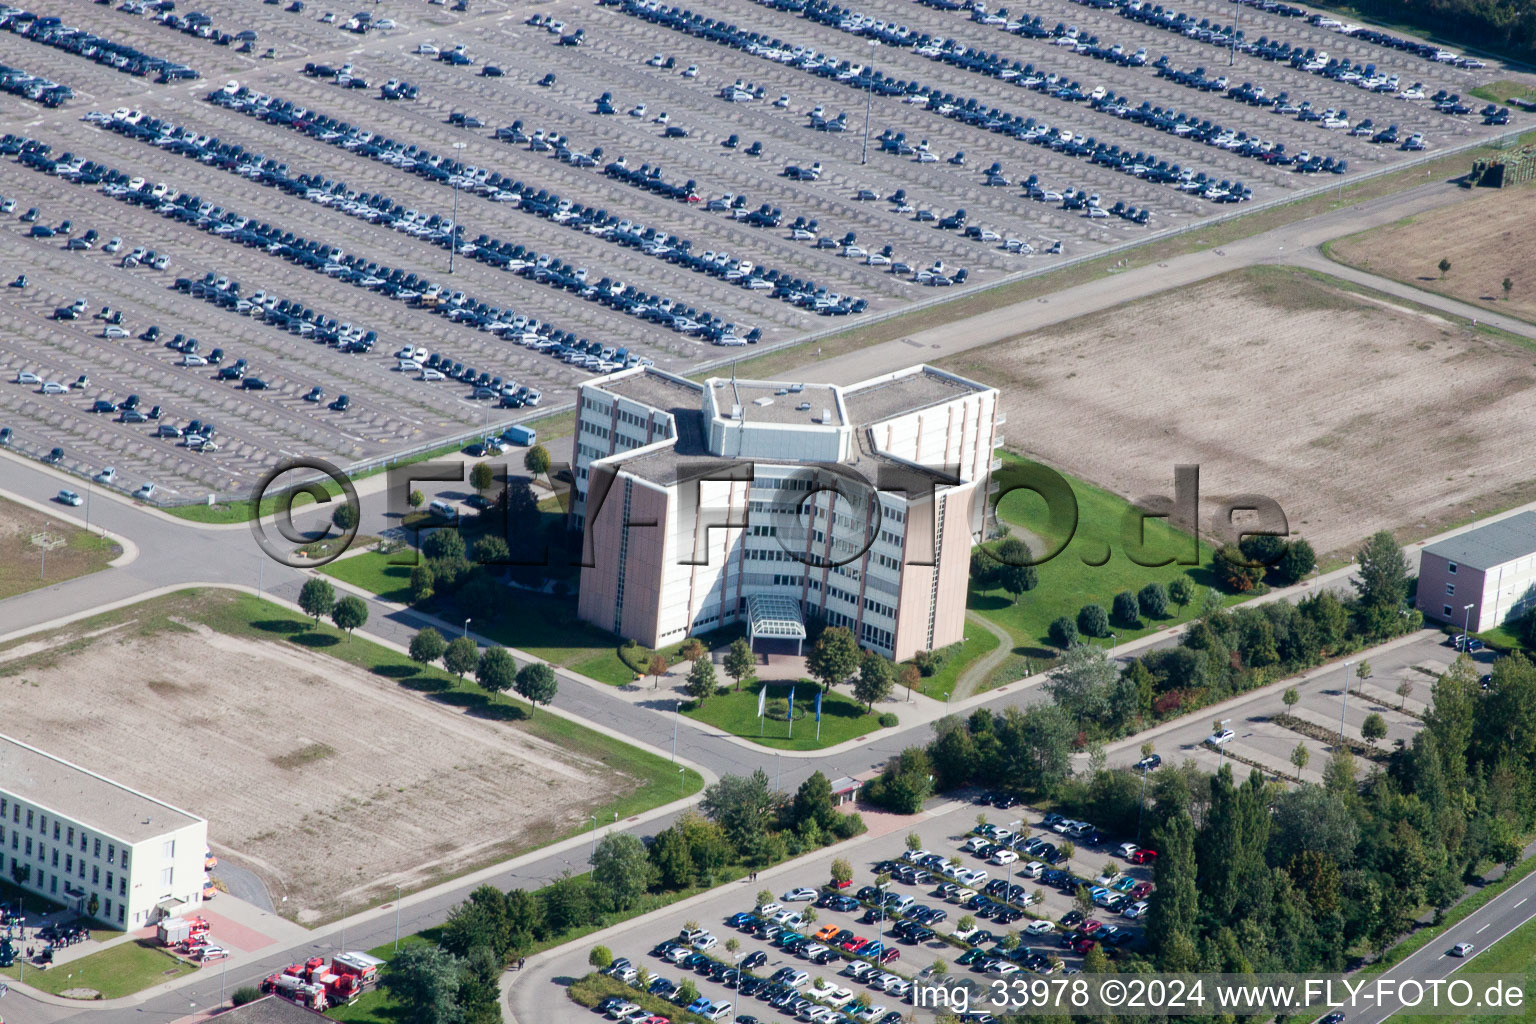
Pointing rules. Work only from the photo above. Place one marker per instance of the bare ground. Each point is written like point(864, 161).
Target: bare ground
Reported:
point(71, 551)
point(331, 783)
point(1487, 238)
point(1355, 415)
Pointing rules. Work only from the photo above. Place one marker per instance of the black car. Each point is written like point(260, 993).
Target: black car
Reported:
point(253, 384)
point(167, 430)
point(756, 959)
point(1071, 918)
point(103, 405)
point(342, 403)
point(5, 436)
point(1149, 763)
point(56, 456)
point(315, 394)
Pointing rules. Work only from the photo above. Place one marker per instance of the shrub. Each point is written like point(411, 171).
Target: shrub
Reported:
point(601, 957)
point(1168, 703)
point(1093, 621)
point(636, 657)
point(887, 719)
point(245, 994)
point(1063, 632)
point(927, 662)
point(1181, 590)
point(846, 826)
point(1297, 561)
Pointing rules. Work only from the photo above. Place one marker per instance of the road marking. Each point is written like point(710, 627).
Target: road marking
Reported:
point(1521, 903)
point(1482, 929)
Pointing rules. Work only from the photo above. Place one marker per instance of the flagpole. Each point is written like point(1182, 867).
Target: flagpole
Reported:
point(818, 716)
point(791, 712)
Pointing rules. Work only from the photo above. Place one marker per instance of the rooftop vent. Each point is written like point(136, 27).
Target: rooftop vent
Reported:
point(795, 389)
point(735, 412)
point(804, 407)
point(764, 400)
point(826, 415)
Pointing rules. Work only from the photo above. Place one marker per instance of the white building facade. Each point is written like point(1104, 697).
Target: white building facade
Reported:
point(82, 840)
point(860, 503)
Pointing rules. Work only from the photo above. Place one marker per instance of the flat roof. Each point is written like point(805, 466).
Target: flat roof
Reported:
point(1491, 545)
point(883, 399)
point(765, 401)
point(80, 794)
point(652, 387)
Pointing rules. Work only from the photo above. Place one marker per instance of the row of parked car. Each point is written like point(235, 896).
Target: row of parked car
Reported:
point(33, 87)
point(543, 268)
point(51, 31)
point(289, 315)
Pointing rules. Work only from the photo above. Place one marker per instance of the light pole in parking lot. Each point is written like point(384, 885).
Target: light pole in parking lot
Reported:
point(466, 626)
point(453, 229)
point(398, 892)
point(1232, 53)
point(869, 99)
point(1466, 609)
point(1346, 700)
point(594, 837)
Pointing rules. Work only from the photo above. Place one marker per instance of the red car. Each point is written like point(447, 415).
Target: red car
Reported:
point(1143, 856)
point(1142, 891)
point(842, 885)
point(1083, 945)
point(855, 944)
point(890, 954)
point(1090, 926)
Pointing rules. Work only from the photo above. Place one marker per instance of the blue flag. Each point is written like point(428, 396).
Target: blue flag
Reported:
point(791, 705)
point(762, 697)
point(818, 707)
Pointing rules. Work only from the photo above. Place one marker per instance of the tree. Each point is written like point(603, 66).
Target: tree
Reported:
point(600, 957)
point(764, 897)
point(842, 871)
point(1383, 574)
point(536, 460)
point(443, 545)
point(914, 841)
point(740, 662)
point(1509, 286)
point(1181, 590)
point(834, 657)
point(1127, 609)
point(733, 946)
point(424, 980)
point(1067, 850)
point(422, 584)
point(1083, 900)
point(656, 666)
point(876, 678)
point(1081, 683)
point(1445, 265)
point(1290, 698)
point(1374, 729)
point(692, 649)
point(345, 517)
point(1016, 579)
point(984, 569)
point(1153, 600)
point(1093, 621)
point(1063, 632)
point(1232, 569)
point(621, 870)
point(492, 550)
point(496, 671)
point(415, 499)
point(349, 613)
point(461, 657)
point(1300, 756)
point(1404, 691)
point(744, 805)
point(316, 598)
point(813, 802)
point(1363, 671)
point(536, 683)
point(909, 675)
point(701, 679)
point(481, 477)
point(1298, 560)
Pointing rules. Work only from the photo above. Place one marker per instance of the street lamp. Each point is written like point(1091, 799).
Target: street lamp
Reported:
point(594, 837)
point(466, 626)
point(869, 99)
point(1466, 623)
point(398, 892)
point(453, 229)
point(681, 778)
point(1346, 700)
point(677, 707)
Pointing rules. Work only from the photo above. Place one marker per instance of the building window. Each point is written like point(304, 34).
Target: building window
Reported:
point(168, 851)
point(97, 852)
point(1450, 590)
point(111, 853)
point(69, 836)
point(29, 817)
point(122, 886)
point(109, 908)
point(69, 864)
point(119, 913)
point(1450, 567)
point(55, 830)
point(95, 875)
point(109, 880)
point(124, 864)
point(165, 876)
point(1445, 610)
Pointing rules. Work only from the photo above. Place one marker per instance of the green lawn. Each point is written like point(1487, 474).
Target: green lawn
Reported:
point(1504, 90)
point(1503, 638)
point(1092, 567)
point(957, 658)
point(842, 718)
point(119, 970)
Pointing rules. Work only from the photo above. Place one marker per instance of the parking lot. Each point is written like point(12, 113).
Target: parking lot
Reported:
point(820, 965)
point(640, 229)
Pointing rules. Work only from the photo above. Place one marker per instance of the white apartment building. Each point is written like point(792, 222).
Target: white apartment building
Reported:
point(73, 836)
point(1483, 577)
point(857, 504)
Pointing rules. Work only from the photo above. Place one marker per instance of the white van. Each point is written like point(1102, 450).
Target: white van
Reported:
point(443, 510)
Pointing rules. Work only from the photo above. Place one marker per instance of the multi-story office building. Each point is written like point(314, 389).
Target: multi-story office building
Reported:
point(85, 841)
point(1481, 578)
point(763, 502)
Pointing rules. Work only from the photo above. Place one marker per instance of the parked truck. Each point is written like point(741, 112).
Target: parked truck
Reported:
point(296, 990)
point(175, 930)
point(524, 436)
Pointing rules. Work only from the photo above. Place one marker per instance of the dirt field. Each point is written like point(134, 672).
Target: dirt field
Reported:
point(1487, 238)
point(287, 753)
point(1352, 414)
point(71, 551)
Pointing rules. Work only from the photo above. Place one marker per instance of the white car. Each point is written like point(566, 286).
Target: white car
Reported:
point(147, 491)
point(53, 387)
point(408, 366)
point(107, 476)
point(70, 498)
point(1126, 849)
point(1039, 928)
point(28, 377)
point(112, 245)
point(800, 895)
point(1216, 739)
point(192, 359)
point(622, 1010)
point(705, 941)
point(1135, 910)
point(1004, 857)
point(870, 1014)
point(788, 918)
point(768, 909)
point(430, 374)
point(1461, 949)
